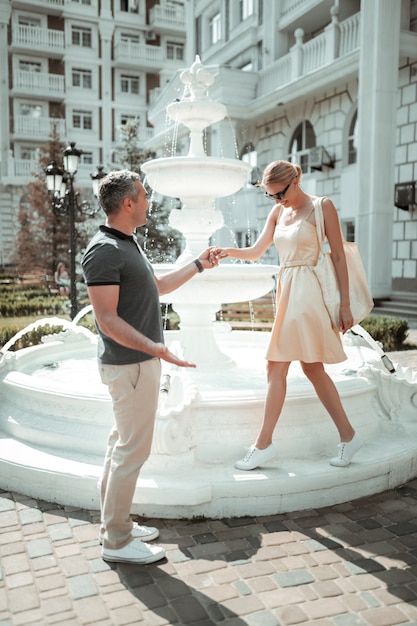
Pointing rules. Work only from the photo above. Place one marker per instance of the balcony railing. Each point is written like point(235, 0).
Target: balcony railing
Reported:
point(38, 126)
point(35, 38)
point(163, 16)
point(129, 52)
point(39, 82)
point(336, 42)
point(24, 168)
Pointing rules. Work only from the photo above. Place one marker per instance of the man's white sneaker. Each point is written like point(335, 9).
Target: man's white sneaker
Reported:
point(256, 457)
point(135, 552)
point(145, 533)
point(346, 451)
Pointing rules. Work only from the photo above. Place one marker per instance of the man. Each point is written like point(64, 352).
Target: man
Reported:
point(124, 293)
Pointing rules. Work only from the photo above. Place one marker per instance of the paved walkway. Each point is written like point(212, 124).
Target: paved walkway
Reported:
point(347, 565)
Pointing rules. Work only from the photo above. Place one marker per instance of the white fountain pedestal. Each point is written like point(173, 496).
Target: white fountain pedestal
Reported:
point(55, 416)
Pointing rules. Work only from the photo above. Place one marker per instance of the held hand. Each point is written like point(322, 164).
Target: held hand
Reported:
point(209, 258)
point(165, 355)
point(222, 253)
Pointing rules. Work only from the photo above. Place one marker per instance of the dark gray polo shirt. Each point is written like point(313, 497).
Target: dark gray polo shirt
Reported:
point(113, 258)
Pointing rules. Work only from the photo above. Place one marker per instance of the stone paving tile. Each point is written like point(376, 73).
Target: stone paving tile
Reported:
point(300, 569)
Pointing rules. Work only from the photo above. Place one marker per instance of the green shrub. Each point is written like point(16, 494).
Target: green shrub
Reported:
point(31, 338)
point(391, 332)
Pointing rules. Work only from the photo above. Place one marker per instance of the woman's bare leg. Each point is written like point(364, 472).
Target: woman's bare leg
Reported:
point(277, 387)
point(329, 397)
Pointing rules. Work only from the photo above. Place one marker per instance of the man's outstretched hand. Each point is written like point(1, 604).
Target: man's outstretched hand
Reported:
point(166, 355)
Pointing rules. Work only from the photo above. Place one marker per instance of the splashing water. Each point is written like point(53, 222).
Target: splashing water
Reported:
point(46, 321)
point(52, 321)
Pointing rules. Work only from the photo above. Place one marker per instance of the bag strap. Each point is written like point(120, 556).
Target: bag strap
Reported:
point(318, 215)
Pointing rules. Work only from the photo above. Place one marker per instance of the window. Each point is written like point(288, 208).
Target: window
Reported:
point(81, 36)
point(245, 9)
point(30, 110)
point(246, 238)
point(349, 231)
point(129, 84)
point(28, 153)
point(127, 119)
point(29, 66)
point(175, 50)
point(302, 140)
point(24, 20)
point(215, 28)
point(86, 158)
point(353, 140)
point(82, 119)
point(129, 38)
point(82, 78)
point(129, 5)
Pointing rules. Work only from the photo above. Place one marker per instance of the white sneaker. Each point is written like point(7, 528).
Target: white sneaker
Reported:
point(346, 451)
point(145, 533)
point(256, 457)
point(135, 552)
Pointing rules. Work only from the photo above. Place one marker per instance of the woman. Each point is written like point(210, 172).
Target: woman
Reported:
point(302, 329)
point(62, 279)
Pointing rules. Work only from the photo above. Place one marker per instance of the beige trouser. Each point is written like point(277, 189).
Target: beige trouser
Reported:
point(134, 390)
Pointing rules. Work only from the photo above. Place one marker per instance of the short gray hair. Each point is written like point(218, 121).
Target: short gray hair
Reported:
point(115, 187)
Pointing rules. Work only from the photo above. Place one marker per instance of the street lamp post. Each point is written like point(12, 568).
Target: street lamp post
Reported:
point(60, 185)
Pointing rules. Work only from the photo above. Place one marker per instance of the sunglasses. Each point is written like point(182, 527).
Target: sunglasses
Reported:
point(278, 196)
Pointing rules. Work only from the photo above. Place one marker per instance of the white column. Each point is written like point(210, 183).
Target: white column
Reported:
point(5, 12)
point(378, 81)
point(190, 41)
point(106, 26)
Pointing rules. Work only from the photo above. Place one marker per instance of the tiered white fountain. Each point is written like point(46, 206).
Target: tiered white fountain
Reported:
point(55, 414)
point(198, 179)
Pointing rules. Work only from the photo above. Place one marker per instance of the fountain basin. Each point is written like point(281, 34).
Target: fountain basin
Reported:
point(234, 282)
point(199, 177)
point(196, 114)
point(55, 416)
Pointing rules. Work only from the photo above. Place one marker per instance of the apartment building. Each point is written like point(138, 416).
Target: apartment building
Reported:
point(330, 84)
point(87, 66)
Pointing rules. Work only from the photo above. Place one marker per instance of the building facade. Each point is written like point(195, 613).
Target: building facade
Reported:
point(87, 66)
point(329, 84)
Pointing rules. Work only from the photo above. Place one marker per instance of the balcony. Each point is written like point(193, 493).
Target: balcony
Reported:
point(167, 20)
point(37, 39)
point(27, 127)
point(40, 84)
point(19, 170)
point(319, 53)
point(139, 54)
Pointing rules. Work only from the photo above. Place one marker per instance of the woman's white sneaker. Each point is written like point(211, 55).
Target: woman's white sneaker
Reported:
point(256, 457)
point(346, 451)
point(135, 552)
point(145, 533)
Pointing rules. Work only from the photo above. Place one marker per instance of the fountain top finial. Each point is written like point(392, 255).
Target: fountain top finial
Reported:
point(198, 80)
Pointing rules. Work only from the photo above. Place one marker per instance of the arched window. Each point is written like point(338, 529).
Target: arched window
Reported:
point(302, 140)
point(353, 139)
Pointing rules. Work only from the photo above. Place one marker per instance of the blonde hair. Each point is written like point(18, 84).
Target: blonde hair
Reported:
point(280, 172)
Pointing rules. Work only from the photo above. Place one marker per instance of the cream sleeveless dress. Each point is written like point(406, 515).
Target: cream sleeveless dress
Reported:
point(302, 330)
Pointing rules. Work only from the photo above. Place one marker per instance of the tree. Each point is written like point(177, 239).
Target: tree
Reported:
point(43, 239)
point(161, 242)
